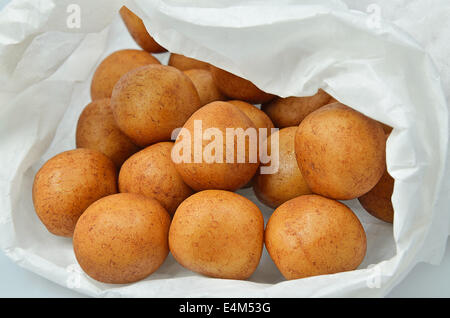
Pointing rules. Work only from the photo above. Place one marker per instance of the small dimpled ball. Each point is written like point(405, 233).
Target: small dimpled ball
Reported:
point(287, 182)
point(218, 234)
point(67, 184)
point(312, 235)
point(378, 200)
point(213, 164)
point(152, 173)
point(340, 152)
point(113, 67)
point(138, 31)
point(236, 87)
point(149, 103)
point(203, 82)
point(97, 129)
point(184, 63)
point(290, 111)
point(122, 238)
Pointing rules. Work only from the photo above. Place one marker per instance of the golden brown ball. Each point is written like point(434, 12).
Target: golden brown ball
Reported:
point(218, 234)
point(184, 63)
point(203, 82)
point(312, 235)
point(378, 200)
point(150, 102)
point(97, 129)
point(387, 129)
point(333, 100)
point(261, 121)
point(112, 68)
point(207, 167)
point(340, 152)
point(137, 30)
point(67, 184)
point(236, 87)
point(287, 183)
point(290, 111)
point(256, 115)
point(122, 238)
point(152, 173)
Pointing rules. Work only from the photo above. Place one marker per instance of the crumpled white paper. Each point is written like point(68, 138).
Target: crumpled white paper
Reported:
point(284, 47)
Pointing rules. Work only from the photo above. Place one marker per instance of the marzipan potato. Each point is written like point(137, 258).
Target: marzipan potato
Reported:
point(67, 184)
point(218, 234)
point(122, 238)
point(184, 63)
point(137, 30)
point(340, 152)
point(203, 82)
point(290, 111)
point(112, 68)
point(287, 183)
point(97, 129)
point(150, 102)
point(236, 87)
point(152, 173)
point(223, 175)
point(312, 235)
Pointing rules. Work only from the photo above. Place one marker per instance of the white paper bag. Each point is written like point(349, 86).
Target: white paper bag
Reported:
point(289, 48)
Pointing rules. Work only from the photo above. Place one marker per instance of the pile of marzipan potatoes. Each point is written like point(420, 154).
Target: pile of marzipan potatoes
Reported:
point(127, 203)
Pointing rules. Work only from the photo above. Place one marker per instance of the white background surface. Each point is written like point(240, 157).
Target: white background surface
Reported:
point(423, 281)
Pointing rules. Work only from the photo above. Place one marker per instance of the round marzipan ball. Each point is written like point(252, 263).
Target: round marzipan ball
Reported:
point(290, 111)
point(150, 102)
point(236, 87)
point(378, 200)
point(122, 238)
point(206, 166)
point(152, 173)
point(218, 234)
point(312, 235)
point(340, 152)
point(137, 30)
point(97, 129)
point(387, 129)
point(112, 68)
point(203, 82)
point(261, 121)
point(184, 63)
point(67, 184)
point(333, 100)
point(256, 115)
point(287, 183)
